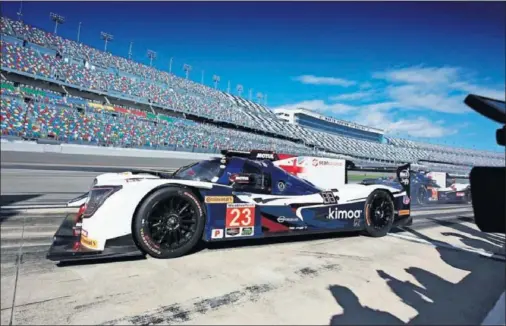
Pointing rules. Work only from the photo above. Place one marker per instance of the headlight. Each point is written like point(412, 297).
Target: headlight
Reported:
point(97, 197)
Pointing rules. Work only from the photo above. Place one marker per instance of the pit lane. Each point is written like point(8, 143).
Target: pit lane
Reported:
point(432, 272)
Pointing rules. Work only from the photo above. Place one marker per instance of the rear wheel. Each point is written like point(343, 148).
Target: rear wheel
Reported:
point(468, 199)
point(169, 223)
point(379, 213)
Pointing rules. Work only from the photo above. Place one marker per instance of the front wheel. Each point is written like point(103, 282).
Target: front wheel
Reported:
point(421, 196)
point(379, 213)
point(169, 223)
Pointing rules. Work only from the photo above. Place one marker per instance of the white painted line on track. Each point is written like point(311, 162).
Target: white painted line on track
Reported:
point(441, 211)
point(440, 244)
point(126, 168)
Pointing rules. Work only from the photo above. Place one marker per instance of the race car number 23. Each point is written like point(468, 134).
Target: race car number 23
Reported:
point(240, 215)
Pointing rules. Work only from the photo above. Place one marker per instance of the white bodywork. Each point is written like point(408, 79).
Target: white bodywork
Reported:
point(439, 178)
point(325, 173)
point(114, 217)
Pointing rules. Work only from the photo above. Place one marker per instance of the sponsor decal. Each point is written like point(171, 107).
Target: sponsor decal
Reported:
point(84, 233)
point(298, 227)
point(219, 199)
point(336, 214)
point(281, 186)
point(356, 223)
point(301, 160)
point(232, 232)
point(133, 180)
point(196, 201)
point(216, 233)
point(247, 231)
point(322, 162)
point(404, 212)
point(240, 215)
point(283, 219)
point(268, 156)
point(406, 200)
point(88, 242)
point(237, 178)
point(148, 242)
point(460, 194)
point(404, 176)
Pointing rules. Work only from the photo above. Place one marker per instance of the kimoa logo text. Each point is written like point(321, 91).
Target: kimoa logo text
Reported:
point(336, 214)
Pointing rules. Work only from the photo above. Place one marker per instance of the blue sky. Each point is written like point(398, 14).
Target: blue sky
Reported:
point(403, 67)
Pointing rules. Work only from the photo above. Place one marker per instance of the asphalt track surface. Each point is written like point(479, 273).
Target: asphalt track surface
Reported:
point(441, 270)
point(435, 272)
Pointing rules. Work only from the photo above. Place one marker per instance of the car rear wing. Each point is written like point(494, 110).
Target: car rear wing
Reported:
point(252, 155)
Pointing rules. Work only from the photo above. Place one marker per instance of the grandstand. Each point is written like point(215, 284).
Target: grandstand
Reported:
point(311, 120)
point(60, 89)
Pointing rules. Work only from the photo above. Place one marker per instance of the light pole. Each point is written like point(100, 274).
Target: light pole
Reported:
point(265, 99)
point(187, 68)
point(170, 66)
point(202, 77)
point(250, 94)
point(57, 20)
point(130, 50)
point(239, 89)
point(151, 55)
point(79, 32)
point(228, 87)
point(107, 38)
point(216, 80)
point(259, 97)
point(20, 11)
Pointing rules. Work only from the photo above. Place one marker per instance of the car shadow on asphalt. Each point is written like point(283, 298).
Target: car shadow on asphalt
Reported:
point(436, 300)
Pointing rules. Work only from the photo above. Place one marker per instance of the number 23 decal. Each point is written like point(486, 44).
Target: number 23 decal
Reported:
point(240, 216)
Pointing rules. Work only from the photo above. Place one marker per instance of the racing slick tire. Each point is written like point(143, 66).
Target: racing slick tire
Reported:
point(379, 213)
point(169, 223)
point(468, 199)
point(421, 196)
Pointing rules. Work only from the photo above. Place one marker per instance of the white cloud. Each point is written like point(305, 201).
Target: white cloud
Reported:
point(418, 127)
point(319, 80)
point(420, 75)
point(417, 88)
point(318, 106)
point(360, 95)
point(440, 89)
point(414, 97)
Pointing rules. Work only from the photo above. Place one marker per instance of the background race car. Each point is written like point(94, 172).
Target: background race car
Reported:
point(430, 187)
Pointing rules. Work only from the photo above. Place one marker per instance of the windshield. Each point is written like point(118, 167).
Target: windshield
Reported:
point(207, 171)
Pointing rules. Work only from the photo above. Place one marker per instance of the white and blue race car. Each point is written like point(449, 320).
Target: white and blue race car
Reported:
point(240, 195)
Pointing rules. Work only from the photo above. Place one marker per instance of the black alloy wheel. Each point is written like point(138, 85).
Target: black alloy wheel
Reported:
point(379, 213)
point(172, 222)
point(421, 196)
point(169, 223)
